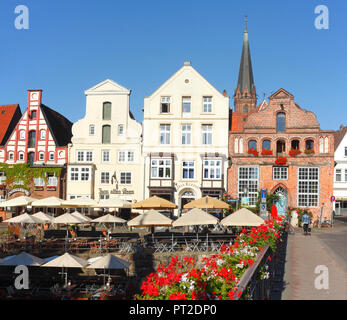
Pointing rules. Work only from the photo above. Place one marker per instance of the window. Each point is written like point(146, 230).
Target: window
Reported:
point(186, 102)
point(126, 156)
point(207, 104)
point(91, 130)
point(39, 182)
point(188, 169)
point(51, 156)
point(106, 111)
point(236, 145)
point(41, 156)
point(248, 177)
point(106, 134)
point(84, 156)
point(33, 114)
point(31, 158)
point(252, 144)
point(346, 175)
point(10, 156)
point(295, 144)
point(266, 145)
point(345, 151)
point(105, 156)
point(22, 135)
point(165, 104)
point(326, 145)
point(308, 187)
point(245, 108)
point(120, 129)
point(207, 134)
point(161, 168)
point(42, 134)
point(186, 133)
point(164, 134)
point(21, 156)
point(281, 122)
point(309, 144)
point(212, 169)
point(125, 178)
point(338, 175)
point(280, 146)
point(74, 173)
point(52, 180)
point(280, 173)
point(85, 174)
point(105, 178)
point(32, 139)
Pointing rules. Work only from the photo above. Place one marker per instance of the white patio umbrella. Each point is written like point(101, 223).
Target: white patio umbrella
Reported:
point(80, 216)
point(22, 201)
point(113, 203)
point(43, 216)
point(108, 218)
point(195, 217)
point(24, 259)
point(150, 218)
point(67, 260)
point(83, 202)
point(242, 218)
point(67, 218)
point(50, 202)
point(24, 218)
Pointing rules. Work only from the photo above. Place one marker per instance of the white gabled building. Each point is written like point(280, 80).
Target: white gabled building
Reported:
point(185, 139)
point(105, 153)
point(340, 172)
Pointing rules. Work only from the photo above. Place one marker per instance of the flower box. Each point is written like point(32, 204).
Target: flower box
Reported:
point(51, 188)
point(309, 151)
point(253, 151)
point(38, 188)
point(266, 152)
point(294, 152)
point(281, 161)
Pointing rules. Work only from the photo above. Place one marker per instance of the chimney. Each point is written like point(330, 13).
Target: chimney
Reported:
point(187, 63)
point(225, 93)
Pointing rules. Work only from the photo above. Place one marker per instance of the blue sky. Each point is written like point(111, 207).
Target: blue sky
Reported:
point(72, 45)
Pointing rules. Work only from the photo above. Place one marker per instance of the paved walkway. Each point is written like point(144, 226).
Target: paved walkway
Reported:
point(298, 280)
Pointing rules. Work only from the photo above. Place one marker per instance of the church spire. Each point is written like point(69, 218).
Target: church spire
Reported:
point(245, 89)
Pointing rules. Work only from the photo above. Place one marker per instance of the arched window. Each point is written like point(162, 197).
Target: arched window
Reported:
point(252, 144)
point(236, 145)
point(32, 139)
point(245, 108)
point(280, 147)
point(41, 156)
point(295, 144)
point(43, 134)
point(106, 134)
point(21, 156)
point(22, 134)
point(281, 122)
point(266, 145)
point(309, 145)
point(241, 145)
point(10, 156)
point(106, 111)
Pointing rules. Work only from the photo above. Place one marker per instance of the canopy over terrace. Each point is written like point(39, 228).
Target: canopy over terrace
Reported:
point(109, 262)
point(242, 218)
point(68, 218)
point(82, 202)
point(24, 218)
point(195, 217)
point(24, 259)
point(67, 260)
point(155, 203)
point(22, 201)
point(50, 202)
point(151, 218)
point(207, 203)
point(108, 218)
point(43, 216)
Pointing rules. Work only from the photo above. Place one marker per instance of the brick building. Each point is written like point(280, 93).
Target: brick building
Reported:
point(38, 141)
point(262, 144)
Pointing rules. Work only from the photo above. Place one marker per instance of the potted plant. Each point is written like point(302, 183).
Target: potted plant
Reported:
point(266, 152)
point(281, 161)
point(253, 151)
point(294, 152)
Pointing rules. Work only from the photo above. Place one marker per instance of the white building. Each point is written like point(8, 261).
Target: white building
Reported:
point(340, 179)
point(185, 139)
point(105, 154)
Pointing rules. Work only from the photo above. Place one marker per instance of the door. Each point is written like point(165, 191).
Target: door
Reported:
point(337, 208)
point(281, 203)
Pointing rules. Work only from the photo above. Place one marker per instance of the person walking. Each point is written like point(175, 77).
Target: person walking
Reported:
point(306, 220)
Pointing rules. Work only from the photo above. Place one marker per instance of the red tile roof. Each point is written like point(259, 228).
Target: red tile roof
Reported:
point(8, 114)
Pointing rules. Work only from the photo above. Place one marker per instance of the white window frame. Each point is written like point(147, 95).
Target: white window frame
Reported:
point(51, 156)
point(308, 194)
point(41, 156)
point(79, 174)
point(125, 175)
point(105, 177)
point(189, 166)
point(84, 156)
point(165, 100)
point(207, 137)
point(338, 172)
point(126, 156)
point(22, 135)
point(212, 169)
point(165, 134)
point(186, 134)
point(251, 182)
point(105, 156)
point(120, 129)
point(279, 173)
point(91, 129)
point(43, 134)
point(186, 101)
point(155, 164)
point(11, 156)
point(21, 156)
point(207, 104)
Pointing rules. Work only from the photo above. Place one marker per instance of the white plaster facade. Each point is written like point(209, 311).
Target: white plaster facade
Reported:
point(340, 177)
point(105, 158)
point(185, 139)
